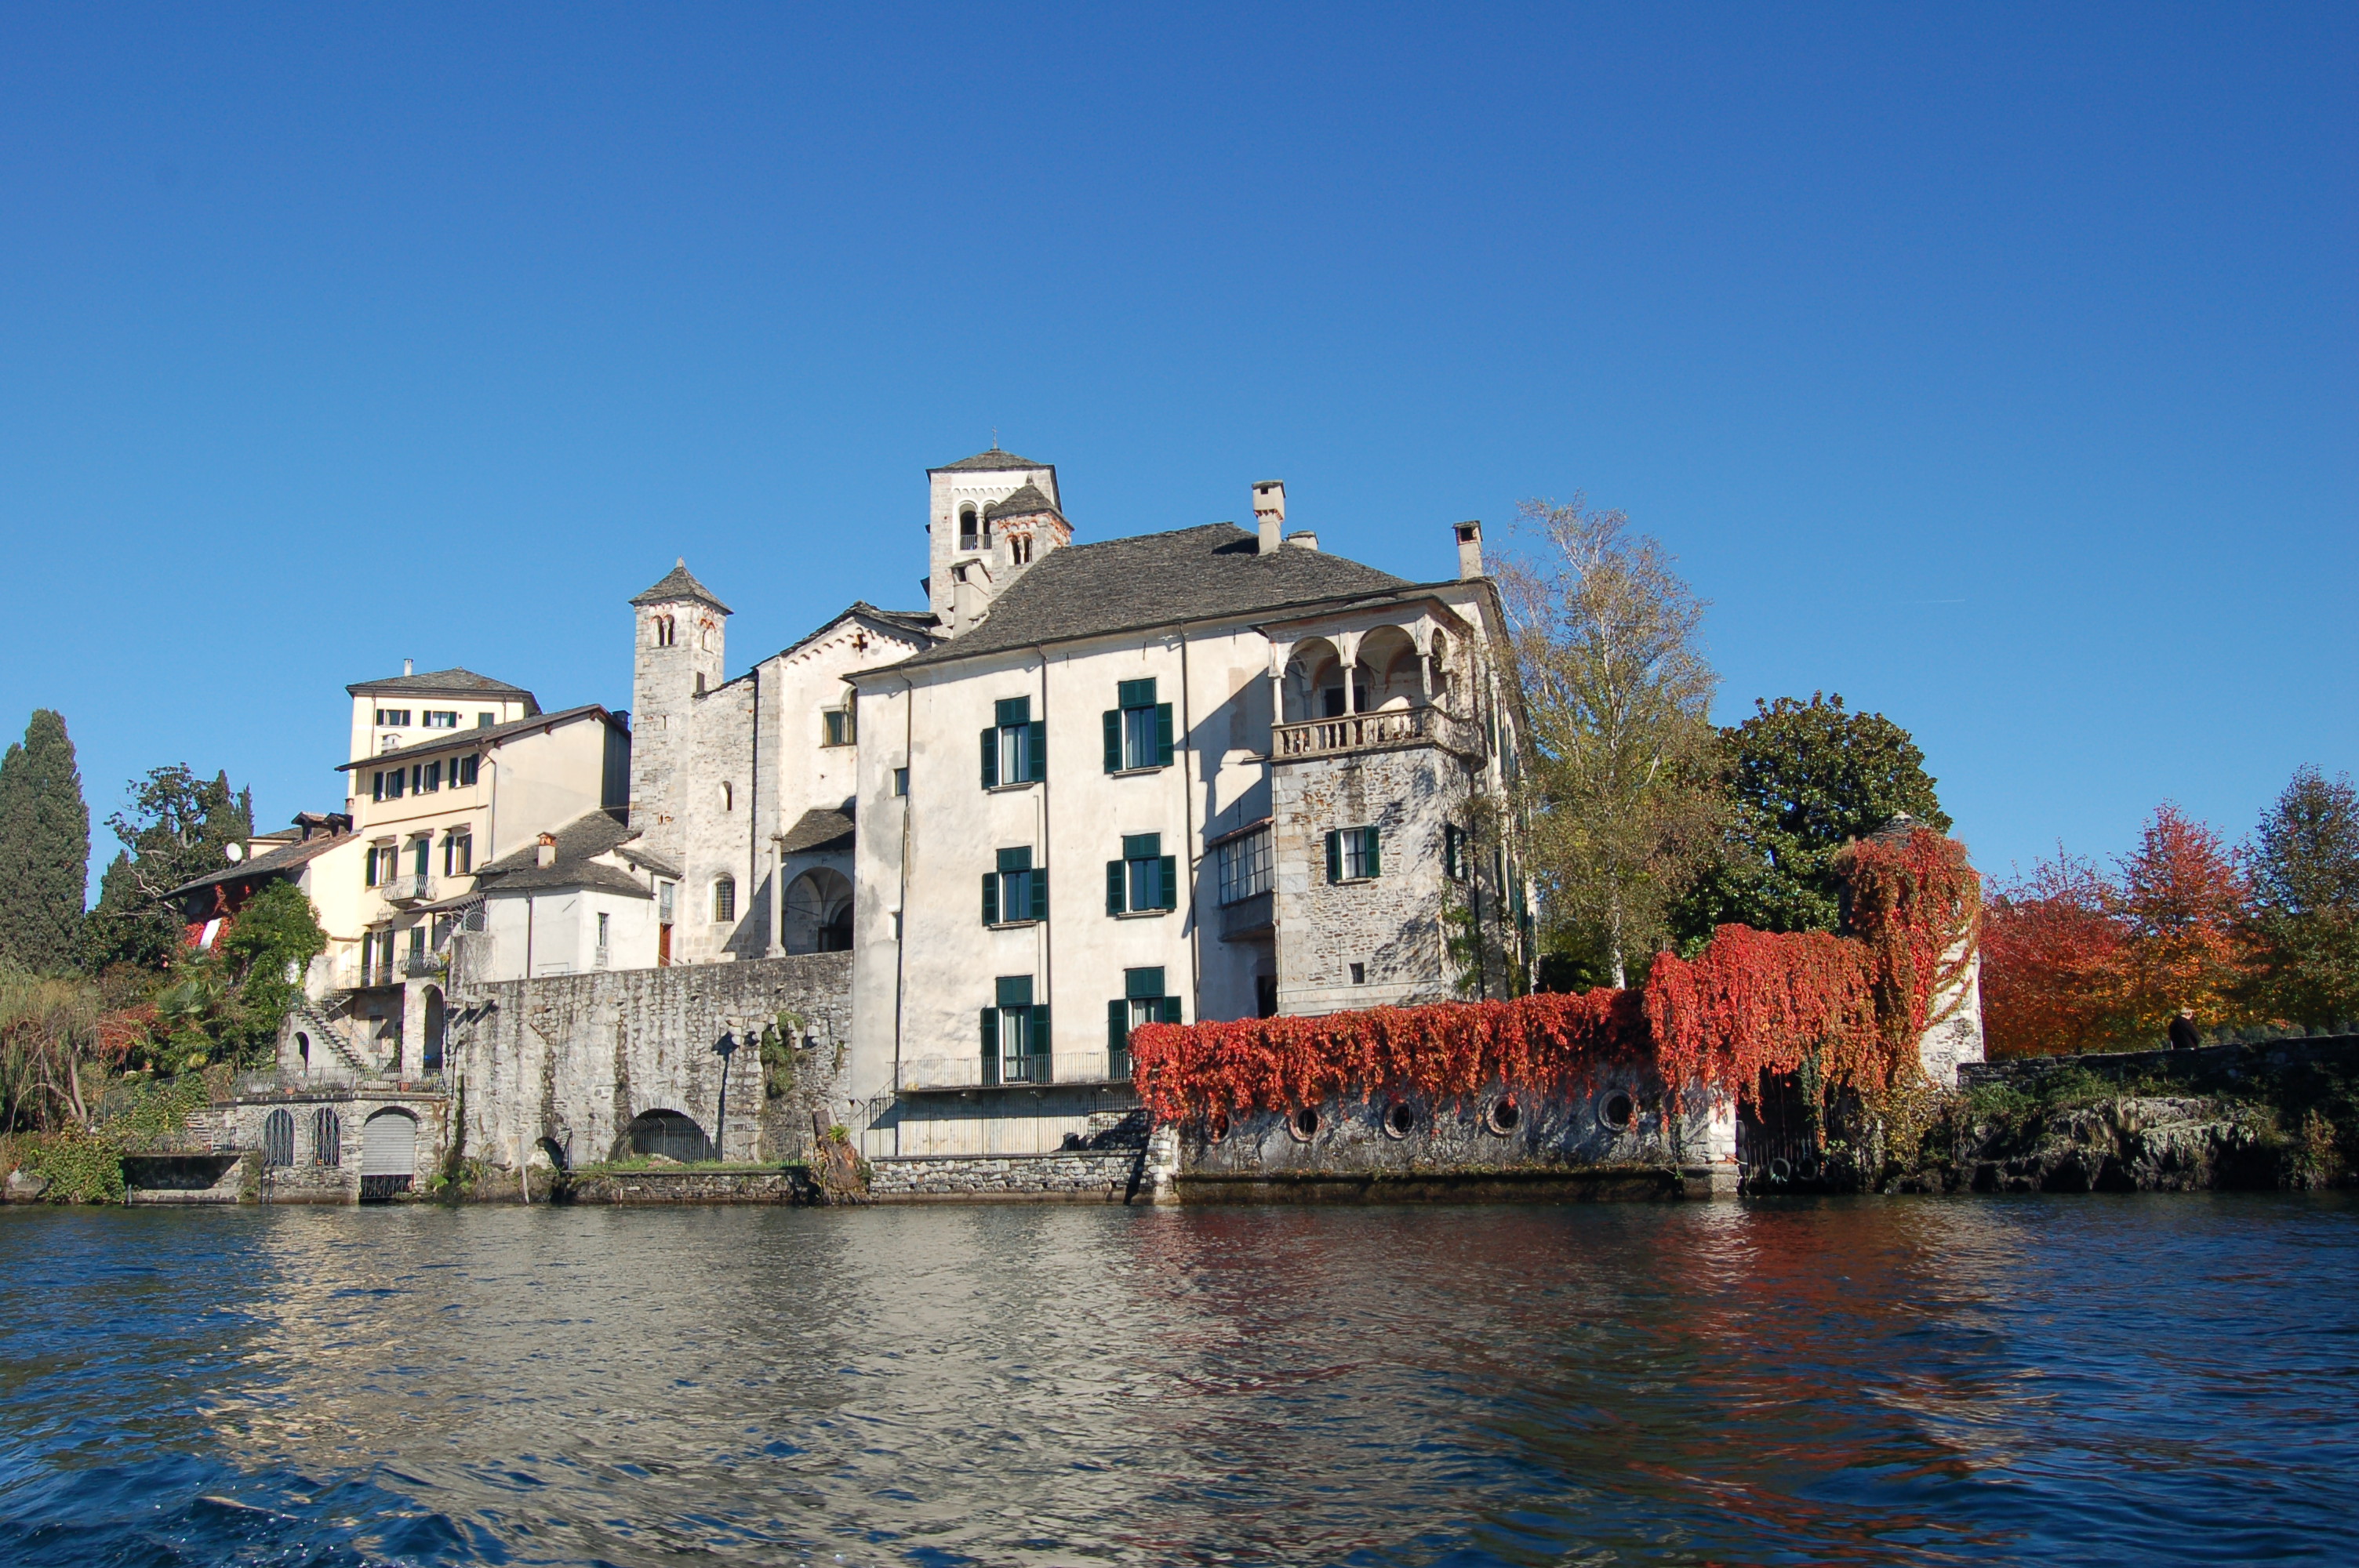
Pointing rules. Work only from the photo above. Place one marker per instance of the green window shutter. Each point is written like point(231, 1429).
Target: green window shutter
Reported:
point(1039, 1041)
point(1169, 872)
point(1117, 1024)
point(1040, 894)
point(991, 759)
point(1163, 733)
point(1335, 854)
point(1012, 710)
point(1019, 860)
point(1038, 750)
point(991, 898)
point(1137, 983)
point(990, 1033)
point(1168, 1010)
point(1114, 887)
point(1376, 864)
point(1141, 846)
point(1136, 693)
point(1113, 740)
point(1014, 990)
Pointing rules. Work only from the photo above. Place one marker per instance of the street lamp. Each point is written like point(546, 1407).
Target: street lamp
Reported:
point(724, 1048)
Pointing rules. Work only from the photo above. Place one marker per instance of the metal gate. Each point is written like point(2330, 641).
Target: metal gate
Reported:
point(1774, 1145)
point(388, 1153)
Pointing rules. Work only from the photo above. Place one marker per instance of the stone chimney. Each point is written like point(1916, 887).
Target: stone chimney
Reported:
point(543, 853)
point(1269, 513)
point(1303, 539)
point(969, 596)
point(409, 666)
point(1470, 549)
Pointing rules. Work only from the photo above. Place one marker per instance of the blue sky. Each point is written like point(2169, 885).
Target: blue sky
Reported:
point(1998, 369)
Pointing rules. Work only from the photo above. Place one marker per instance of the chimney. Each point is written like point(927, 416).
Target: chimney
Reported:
point(1269, 513)
point(969, 596)
point(544, 854)
point(1303, 539)
point(409, 666)
point(1470, 550)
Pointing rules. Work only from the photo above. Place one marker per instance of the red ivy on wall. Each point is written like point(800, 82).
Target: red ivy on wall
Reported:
point(1751, 1000)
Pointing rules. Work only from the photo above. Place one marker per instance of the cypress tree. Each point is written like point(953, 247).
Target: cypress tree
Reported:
point(44, 848)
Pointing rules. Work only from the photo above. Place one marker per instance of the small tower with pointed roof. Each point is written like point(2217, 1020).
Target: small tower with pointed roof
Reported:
point(965, 533)
point(676, 657)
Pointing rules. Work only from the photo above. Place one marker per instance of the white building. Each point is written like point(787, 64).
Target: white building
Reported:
point(1206, 773)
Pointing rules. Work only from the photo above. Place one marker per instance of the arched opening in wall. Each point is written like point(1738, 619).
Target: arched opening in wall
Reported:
point(668, 1134)
point(819, 912)
point(389, 1154)
point(967, 539)
point(724, 899)
point(556, 1152)
point(279, 1139)
point(1390, 673)
point(303, 1049)
point(662, 625)
point(728, 796)
point(1311, 670)
point(327, 1139)
point(437, 1020)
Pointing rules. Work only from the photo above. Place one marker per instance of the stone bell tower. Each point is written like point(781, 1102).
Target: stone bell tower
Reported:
point(676, 657)
point(964, 541)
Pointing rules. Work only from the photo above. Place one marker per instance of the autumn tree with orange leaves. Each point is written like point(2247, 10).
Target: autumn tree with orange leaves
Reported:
point(2075, 959)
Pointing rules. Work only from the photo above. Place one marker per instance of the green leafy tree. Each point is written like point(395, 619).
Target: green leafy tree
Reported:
point(271, 941)
point(1624, 807)
point(178, 827)
point(44, 850)
point(2304, 861)
point(1805, 778)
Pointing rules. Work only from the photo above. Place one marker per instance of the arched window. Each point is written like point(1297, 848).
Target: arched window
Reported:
point(669, 1134)
point(728, 796)
point(966, 528)
point(724, 898)
point(303, 1049)
point(327, 1138)
point(437, 1018)
point(664, 631)
point(1020, 548)
point(279, 1139)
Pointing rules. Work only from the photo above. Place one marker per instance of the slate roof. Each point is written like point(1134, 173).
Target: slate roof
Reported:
point(680, 583)
point(458, 740)
point(1023, 503)
point(579, 842)
point(453, 682)
point(819, 829)
point(988, 462)
point(282, 858)
point(1154, 579)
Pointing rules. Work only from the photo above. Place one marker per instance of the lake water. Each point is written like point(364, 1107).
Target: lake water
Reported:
point(2034, 1380)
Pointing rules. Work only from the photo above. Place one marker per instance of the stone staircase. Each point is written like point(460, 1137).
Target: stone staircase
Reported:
point(324, 1029)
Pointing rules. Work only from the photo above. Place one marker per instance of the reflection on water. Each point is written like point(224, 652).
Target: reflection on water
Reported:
point(1925, 1381)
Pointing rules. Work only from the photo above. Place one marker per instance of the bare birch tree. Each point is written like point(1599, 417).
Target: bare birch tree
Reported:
point(1625, 804)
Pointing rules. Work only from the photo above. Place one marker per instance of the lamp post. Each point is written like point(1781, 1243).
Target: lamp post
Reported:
point(724, 1048)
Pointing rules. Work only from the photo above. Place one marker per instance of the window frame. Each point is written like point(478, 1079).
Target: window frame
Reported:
point(1000, 895)
point(1139, 733)
point(724, 899)
point(1138, 850)
point(1255, 848)
point(1015, 736)
point(1350, 847)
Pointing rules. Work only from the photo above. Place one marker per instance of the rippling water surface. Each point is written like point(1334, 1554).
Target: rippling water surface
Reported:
point(1970, 1381)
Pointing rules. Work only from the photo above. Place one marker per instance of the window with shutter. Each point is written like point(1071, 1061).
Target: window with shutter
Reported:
point(1149, 879)
point(467, 770)
point(1352, 854)
point(1335, 854)
point(1137, 729)
point(1015, 749)
point(1115, 902)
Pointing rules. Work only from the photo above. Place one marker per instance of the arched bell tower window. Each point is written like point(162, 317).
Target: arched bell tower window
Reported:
point(966, 528)
point(664, 631)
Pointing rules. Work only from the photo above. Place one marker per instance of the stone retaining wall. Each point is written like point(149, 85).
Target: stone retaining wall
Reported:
point(2205, 1067)
point(1079, 1175)
point(633, 1188)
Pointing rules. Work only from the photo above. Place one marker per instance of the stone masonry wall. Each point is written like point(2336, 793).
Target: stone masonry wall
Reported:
point(1092, 1175)
point(573, 1058)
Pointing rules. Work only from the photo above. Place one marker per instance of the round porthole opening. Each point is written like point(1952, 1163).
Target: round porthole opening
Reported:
point(1504, 1116)
point(1304, 1124)
point(1617, 1109)
point(1400, 1120)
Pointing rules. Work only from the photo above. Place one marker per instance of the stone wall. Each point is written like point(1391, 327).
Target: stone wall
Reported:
point(1087, 1175)
point(1613, 1139)
point(2207, 1067)
point(571, 1059)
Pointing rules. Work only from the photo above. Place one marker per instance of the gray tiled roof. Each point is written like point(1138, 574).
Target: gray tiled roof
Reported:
point(1026, 501)
point(579, 842)
point(987, 461)
point(274, 861)
point(458, 740)
point(453, 682)
point(1154, 579)
point(819, 828)
point(678, 584)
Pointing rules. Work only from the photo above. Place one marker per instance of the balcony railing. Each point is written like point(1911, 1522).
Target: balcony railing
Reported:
point(1385, 729)
point(424, 963)
point(419, 889)
point(1040, 1069)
